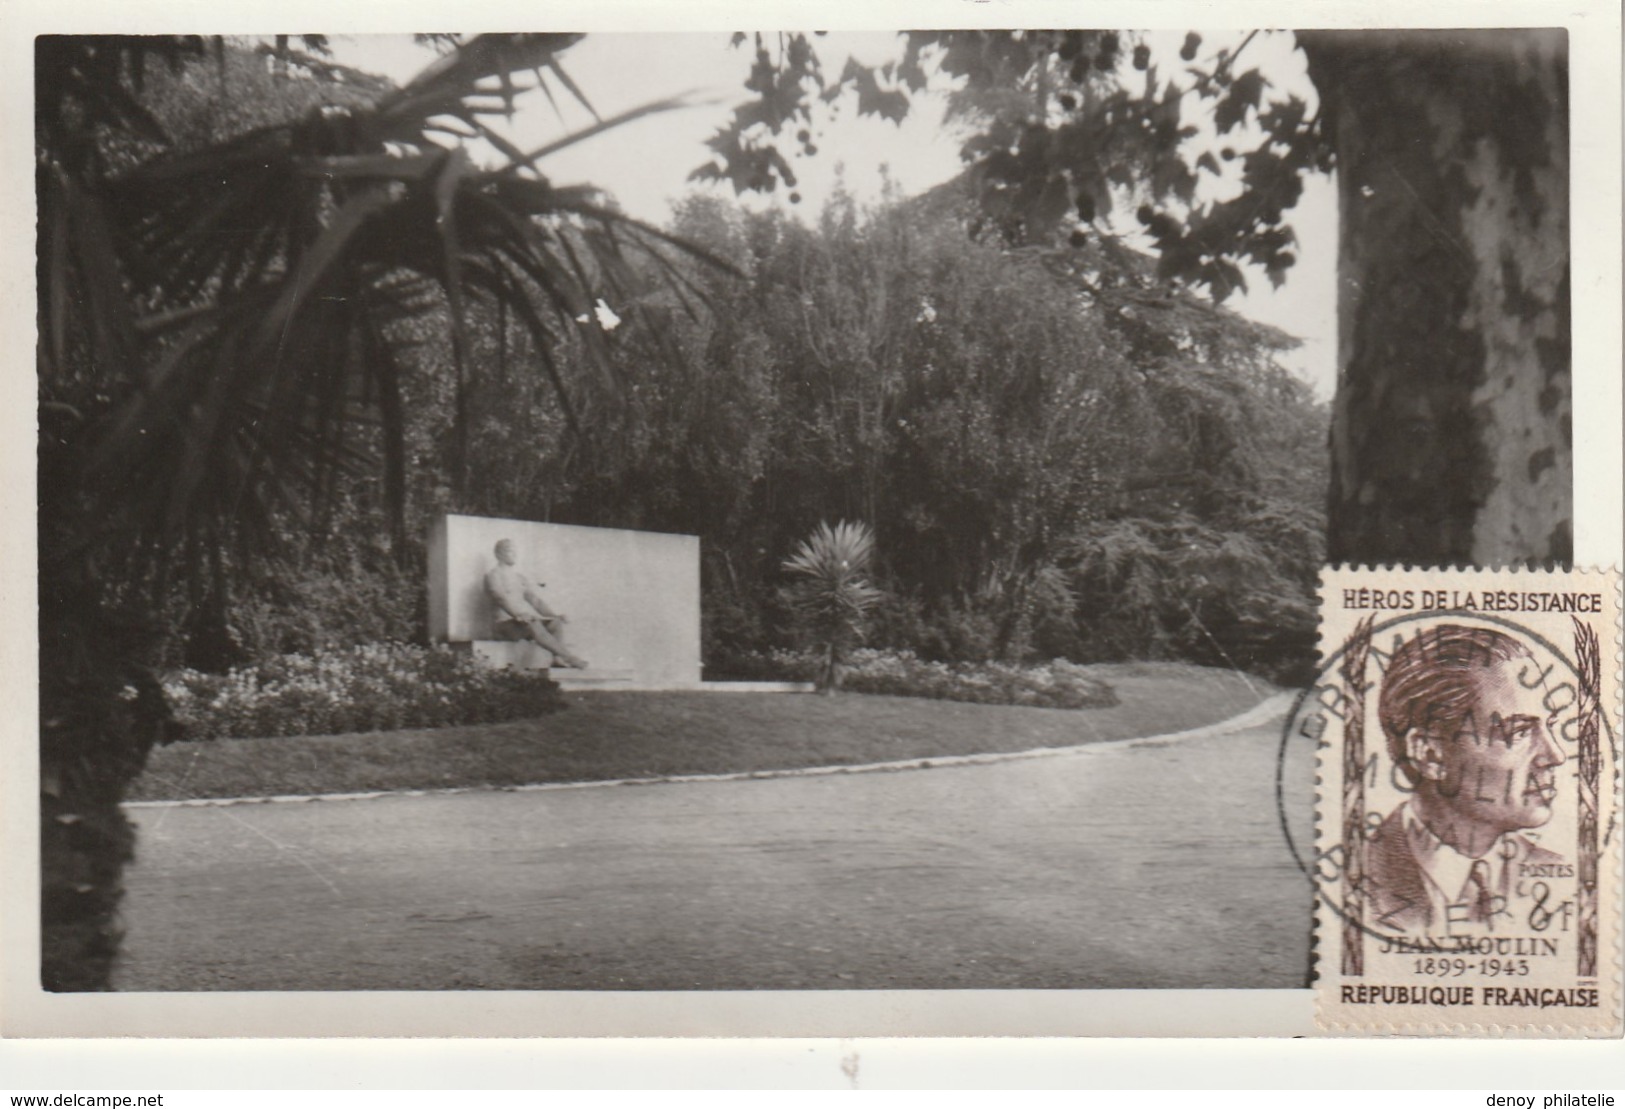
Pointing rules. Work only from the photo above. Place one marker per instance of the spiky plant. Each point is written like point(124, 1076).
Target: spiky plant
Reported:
point(832, 595)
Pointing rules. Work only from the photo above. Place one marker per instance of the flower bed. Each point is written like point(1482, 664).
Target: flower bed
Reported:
point(1056, 684)
point(376, 687)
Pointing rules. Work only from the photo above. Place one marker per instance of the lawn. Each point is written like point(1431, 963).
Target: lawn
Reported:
point(602, 736)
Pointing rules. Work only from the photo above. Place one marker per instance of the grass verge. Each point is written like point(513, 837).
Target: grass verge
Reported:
point(603, 736)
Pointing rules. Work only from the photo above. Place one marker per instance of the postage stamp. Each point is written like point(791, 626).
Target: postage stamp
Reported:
point(1467, 856)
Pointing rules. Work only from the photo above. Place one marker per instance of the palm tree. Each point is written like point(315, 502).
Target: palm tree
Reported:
point(219, 336)
point(833, 595)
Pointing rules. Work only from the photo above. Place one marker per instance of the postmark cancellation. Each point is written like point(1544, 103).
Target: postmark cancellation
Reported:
point(1467, 856)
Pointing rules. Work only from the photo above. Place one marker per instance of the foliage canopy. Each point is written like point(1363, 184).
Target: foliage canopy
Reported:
point(1064, 127)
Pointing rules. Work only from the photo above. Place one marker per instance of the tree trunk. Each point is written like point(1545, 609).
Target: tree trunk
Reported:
point(830, 681)
point(101, 710)
point(1451, 437)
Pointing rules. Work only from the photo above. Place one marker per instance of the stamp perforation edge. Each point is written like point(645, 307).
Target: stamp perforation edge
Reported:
point(1343, 820)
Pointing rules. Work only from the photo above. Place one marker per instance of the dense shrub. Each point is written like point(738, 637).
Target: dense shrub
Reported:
point(359, 584)
point(1179, 589)
point(331, 600)
point(1060, 455)
point(378, 687)
point(1056, 684)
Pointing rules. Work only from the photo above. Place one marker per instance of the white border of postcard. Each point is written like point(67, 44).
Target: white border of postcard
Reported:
point(1595, 70)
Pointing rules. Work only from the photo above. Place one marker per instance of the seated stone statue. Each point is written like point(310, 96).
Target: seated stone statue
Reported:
point(521, 612)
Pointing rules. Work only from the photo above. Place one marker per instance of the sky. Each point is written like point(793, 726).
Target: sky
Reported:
point(645, 164)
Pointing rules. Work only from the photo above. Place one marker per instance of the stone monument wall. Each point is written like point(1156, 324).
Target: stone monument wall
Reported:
point(633, 597)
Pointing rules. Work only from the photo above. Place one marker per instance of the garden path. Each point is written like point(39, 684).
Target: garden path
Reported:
point(1148, 863)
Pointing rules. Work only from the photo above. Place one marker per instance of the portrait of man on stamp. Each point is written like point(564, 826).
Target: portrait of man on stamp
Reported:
point(1461, 709)
point(1467, 863)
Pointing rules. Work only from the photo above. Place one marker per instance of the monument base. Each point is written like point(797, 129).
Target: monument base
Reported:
point(525, 655)
point(577, 680)
point(515, 654)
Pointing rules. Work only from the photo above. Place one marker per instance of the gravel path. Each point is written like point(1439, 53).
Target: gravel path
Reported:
point(1152, 863)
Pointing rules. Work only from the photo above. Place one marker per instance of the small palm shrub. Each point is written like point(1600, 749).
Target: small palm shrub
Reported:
point(833, 596)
